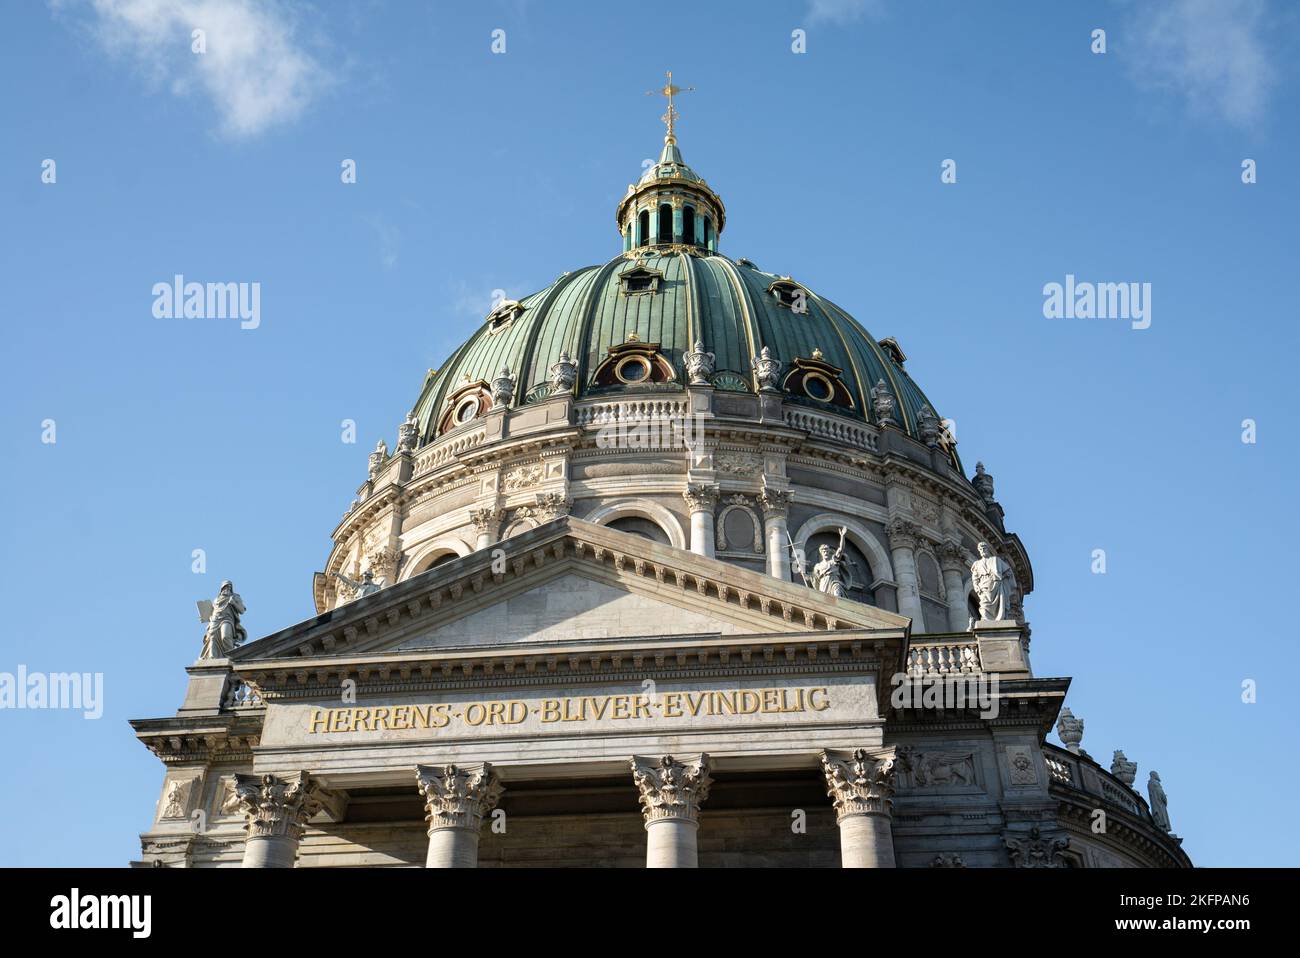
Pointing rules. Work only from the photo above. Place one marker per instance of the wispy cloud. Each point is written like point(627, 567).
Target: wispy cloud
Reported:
point(390, 238)
point(843, 11)
point(256, 69)
point(1214, 53)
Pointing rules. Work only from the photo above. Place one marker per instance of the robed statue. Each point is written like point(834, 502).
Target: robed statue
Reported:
point(1159, 802)
point(222, 617)
point(994, 583)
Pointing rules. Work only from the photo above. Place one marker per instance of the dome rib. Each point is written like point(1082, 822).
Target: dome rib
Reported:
point(746, 312)
point(886, 366)
point(527, 376)
point(588, 311)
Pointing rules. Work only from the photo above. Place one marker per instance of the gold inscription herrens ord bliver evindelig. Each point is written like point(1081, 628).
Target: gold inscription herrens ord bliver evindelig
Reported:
point(582, 708)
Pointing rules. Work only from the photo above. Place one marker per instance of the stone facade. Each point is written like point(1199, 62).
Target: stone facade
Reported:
point(576, 647)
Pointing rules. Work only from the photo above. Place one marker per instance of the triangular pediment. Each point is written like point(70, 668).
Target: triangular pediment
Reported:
point(567, 581)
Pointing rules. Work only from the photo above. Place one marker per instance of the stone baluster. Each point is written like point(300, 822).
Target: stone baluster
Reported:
point(456, 798)
point(701, 499)
point(861, 785)
point(776, 511)
point(671, 795)
point(276, 812)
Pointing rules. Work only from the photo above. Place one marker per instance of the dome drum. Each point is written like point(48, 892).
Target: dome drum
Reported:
point(680, 395)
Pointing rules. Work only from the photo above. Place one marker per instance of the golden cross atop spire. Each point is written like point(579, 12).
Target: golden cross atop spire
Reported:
point(670, 91)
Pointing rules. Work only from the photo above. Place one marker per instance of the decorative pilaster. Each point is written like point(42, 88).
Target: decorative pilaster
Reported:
point(487, 525)
point(902, 548)
point(700, 500)
point(954, 564)
point(456, 798)
point(776, 512)
point(671, 795)
point(276, 812)
point(861, 785)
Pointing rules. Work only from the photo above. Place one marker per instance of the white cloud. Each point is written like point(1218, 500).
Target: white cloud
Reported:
point(1212, 52)
point(256, 70)
point(842, 11)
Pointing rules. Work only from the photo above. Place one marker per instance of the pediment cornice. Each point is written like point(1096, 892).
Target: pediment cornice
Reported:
point(753, 601)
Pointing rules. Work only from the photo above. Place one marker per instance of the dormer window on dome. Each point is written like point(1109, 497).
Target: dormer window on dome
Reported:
point(818, 380)
point(503, 314)
point(634, 363)
point(639, 279)
point(789, 294)
point(895, 352)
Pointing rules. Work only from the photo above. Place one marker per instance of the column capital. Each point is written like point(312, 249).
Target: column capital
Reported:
point(952, 558)
point(671, 789)
point(775, 502)
point(551, 505)
point(1032, 850)
point(858, 782)
point(903, 534)
point(700, 497)
point(486, 520)
point(276, 807)
point(458, 796)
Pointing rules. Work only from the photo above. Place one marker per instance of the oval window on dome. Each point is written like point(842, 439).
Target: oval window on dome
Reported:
point(634, 369)
point(818, 387)
point(466, 410)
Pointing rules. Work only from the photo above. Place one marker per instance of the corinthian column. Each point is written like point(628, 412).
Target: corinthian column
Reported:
point(671, 795)
point(862, 788)
point(902, 549)
point(275, 811)
point(954, 565)
point(701, 499)
point(456, 797)
point(487, 523)
point(776, 509)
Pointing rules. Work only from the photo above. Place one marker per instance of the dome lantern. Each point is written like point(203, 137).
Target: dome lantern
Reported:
point(671, 205)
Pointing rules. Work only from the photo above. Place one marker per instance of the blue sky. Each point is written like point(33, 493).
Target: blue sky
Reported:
point(479, 171)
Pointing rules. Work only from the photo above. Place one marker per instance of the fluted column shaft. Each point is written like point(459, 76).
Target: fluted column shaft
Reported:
point(776, 509)
point(456, 798)
point(954, 566)
point(902, 548)
point(671, 795)
point(276, 811)
point(701, 499)
point(861, 785)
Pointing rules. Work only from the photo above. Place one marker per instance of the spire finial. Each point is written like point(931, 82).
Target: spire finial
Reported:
point(670, 91)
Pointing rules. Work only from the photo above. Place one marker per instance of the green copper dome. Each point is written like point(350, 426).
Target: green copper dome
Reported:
point(625, 327)
point(661, 301)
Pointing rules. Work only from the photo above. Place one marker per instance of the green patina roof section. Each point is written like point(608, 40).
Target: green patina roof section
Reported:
point(710, 298)
point(719, 321)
